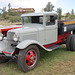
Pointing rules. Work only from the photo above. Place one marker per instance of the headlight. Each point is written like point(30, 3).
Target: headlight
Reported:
point(1, 37)
point(15, 38)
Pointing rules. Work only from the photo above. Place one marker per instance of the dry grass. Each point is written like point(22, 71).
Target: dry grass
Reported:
point(7, 23)
point(57, 62)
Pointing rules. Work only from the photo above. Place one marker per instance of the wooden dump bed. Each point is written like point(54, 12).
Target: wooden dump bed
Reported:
point(69, 22)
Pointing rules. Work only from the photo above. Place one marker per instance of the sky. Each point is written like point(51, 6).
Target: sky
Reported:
point(66, 5)
point(38, 5)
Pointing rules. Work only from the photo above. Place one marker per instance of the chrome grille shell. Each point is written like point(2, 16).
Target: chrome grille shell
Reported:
point(10, 35)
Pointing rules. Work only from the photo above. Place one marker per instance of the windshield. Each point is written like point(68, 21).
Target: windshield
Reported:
point(32, 19)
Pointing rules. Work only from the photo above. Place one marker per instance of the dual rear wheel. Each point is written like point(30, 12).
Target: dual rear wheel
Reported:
point(70, 43)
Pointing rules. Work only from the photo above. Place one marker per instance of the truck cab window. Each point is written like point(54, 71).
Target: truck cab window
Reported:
point(50, 20)
point(26, 20)
point(32, 19)
point(37, 19)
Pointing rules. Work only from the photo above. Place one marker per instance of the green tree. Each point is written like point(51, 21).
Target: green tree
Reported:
point(72, 12)
point(9, 9)
point(68, 14)
point(4, 12)
point(71, 16)
point(49, 7)
point(59, 11)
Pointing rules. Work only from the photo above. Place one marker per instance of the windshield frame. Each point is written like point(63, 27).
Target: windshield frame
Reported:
point(34, 18)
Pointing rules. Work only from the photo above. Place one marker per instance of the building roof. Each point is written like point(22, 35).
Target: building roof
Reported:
point(23, 10)
point(39, 14)
point(27, 9)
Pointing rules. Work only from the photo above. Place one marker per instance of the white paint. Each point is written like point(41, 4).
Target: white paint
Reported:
point(65, 29)
point(0, 38)
point(26, 43)
point(39, 14)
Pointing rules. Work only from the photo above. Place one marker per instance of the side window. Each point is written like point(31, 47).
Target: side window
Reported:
point(41, 20)
point(50, 20)
point(37, 19)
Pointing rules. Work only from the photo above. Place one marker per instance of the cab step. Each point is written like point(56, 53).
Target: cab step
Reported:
point(54, 47)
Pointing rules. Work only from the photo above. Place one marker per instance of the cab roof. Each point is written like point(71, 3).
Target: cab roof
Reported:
point(39, 14)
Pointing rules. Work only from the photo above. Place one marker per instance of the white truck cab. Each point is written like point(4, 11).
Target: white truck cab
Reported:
point(45, 25)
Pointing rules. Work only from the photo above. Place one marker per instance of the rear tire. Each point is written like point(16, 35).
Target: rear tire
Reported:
point(73, 43)
point(28, 58)
point(68, 42)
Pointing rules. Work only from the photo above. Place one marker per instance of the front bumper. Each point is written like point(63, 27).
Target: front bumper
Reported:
point(7, 57)
point(6, 48)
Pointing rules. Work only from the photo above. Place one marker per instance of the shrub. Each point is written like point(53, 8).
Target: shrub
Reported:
point(1, 17)
point(15, 19)
point(7, 17)
point(15, 14)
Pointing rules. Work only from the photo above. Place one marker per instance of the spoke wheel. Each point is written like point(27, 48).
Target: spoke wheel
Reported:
point(28, 58)
point(31, 58)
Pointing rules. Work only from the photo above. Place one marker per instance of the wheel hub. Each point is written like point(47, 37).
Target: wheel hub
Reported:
point(30, 58)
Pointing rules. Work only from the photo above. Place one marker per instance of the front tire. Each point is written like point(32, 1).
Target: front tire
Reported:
point(3, 60)
point(28, 58)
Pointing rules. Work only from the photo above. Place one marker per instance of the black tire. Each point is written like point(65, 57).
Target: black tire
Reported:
point(22, 63)
point(68, 41)
point(3, 60)
point(73, 43)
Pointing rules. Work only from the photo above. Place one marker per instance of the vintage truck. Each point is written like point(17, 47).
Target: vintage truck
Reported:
point(40, 31)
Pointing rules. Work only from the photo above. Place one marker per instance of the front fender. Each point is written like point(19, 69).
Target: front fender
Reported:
point(26, 43)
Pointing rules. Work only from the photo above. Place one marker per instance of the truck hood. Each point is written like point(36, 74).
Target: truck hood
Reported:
point(28, 28)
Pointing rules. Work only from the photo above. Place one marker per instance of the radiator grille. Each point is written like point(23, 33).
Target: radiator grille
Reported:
point(10, 35)
point(10, 42)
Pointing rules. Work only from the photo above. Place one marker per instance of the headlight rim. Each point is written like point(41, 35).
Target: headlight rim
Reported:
point(1, 35)
point(15, 37)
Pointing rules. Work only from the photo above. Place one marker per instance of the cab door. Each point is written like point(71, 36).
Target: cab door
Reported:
point(51, 29)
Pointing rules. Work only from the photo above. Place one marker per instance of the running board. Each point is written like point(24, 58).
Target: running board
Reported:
point(54, 47)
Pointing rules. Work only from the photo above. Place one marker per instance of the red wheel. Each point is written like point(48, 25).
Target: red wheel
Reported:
point(28, 58)
point(31, 58)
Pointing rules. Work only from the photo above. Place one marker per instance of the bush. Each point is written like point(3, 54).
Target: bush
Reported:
point(15, 14)
point(1, 17)
point(7, 17)
point(4, 16)
point(15, 19)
